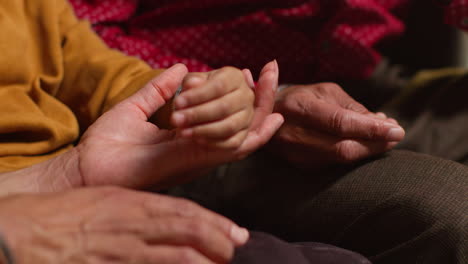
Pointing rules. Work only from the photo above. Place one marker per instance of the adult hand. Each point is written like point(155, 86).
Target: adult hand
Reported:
point(325, 126)
point(123, 148)
point(113, 225)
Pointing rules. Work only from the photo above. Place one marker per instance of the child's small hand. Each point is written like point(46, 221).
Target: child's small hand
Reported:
point(216, 107)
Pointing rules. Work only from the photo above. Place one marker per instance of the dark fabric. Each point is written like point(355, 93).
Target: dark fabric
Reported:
point(264, 248)
point(435, 115)
point(400, 207)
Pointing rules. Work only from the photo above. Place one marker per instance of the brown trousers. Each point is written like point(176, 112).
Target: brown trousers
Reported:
point(406, 206)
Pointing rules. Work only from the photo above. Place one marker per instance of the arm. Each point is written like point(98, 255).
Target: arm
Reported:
point(123, 148)
point(57, 79)
point(95, 77)
point(93, 225)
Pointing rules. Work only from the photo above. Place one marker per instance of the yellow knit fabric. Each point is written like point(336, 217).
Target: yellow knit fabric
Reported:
point(56, 78)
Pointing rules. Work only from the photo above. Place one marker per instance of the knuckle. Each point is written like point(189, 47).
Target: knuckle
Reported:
point(289, 105)
point(230, 128)
point(336, 122)
point(236, 142)
point(344, 152)
point(328, 86)
point(231, 70)
point(223, 109)
point(186, 255)
point(190, 115)
point(375, 129)
point(218, 86)
point(185, 208)
point(356, 107)
point(196, 230)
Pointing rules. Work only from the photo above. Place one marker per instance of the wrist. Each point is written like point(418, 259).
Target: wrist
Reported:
point(57, 174)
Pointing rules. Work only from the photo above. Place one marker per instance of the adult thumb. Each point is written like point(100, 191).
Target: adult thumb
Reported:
point(159, 90)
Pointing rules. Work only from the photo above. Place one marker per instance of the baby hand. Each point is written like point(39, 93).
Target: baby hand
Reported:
point(216, 107)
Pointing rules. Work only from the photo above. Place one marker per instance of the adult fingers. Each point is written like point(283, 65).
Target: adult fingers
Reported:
point(249, 78)
point(206, 238)
point(261, 135)
point(347, 123)
point(157, 206)
point(159, 90)
point(295, 141)
point(126, 248)
point(266, 89)
point(123, 248)
point(264, 124)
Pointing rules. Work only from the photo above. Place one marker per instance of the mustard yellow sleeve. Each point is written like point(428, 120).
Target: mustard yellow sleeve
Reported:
point(95, 77)
point(56, 78)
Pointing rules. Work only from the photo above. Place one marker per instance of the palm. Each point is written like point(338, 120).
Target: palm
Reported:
point(123, 148)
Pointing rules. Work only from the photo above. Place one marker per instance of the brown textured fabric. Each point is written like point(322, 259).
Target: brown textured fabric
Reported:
point(402, 207)
point(434, 111)
point(56, 78)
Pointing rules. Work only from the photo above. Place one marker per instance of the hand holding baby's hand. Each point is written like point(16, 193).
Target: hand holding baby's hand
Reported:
point(215, 108)
point(124, 148)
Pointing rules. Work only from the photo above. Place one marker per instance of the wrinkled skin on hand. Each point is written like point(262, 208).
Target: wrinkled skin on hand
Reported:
point(113, 225)
point(325, 126)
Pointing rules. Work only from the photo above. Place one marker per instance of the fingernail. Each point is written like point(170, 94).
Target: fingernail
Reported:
point(180, 102)
point(381, 115)
point(250, 80)
point(239, 235)
point(275, 84)
point(178, 119)
point(395, 134)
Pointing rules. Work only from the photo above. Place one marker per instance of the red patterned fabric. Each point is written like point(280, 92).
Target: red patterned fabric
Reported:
point(457, 14)
point(312, 40)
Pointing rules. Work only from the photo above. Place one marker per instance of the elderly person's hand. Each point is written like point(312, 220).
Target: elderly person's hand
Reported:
point(325, 126)
point(113, 225)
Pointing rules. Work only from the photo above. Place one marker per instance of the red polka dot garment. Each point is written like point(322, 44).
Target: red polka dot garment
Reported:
point(312, 40)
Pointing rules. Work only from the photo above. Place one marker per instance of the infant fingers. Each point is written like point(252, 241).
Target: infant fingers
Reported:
point(218, 84)
point(232, 143)
point(222, 129)
point(213, 110)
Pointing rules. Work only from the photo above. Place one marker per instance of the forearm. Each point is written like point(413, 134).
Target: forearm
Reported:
point(57, 174)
